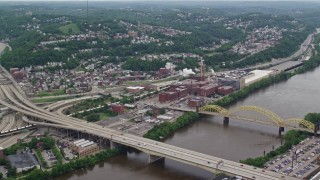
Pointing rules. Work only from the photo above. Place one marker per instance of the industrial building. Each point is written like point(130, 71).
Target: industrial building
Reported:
point(189, 86)
point(229, 81)
point(23, 162)
point(168, 96)
point(84, 147)
point(207, 90)
point(195, 102)
point(225, 90)
point(256, 75)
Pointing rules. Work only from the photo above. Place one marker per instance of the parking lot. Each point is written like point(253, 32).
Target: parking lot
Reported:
point(300, 161)
point(49, 157)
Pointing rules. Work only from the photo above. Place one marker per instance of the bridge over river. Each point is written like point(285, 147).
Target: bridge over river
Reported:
point(270, 117)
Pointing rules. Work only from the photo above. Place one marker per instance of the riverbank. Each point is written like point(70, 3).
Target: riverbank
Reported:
point(246, 91)
point(163, 130)
point(291, 138)
point(62, 169)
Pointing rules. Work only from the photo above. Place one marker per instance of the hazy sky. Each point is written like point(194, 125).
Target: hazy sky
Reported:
point(166, 0)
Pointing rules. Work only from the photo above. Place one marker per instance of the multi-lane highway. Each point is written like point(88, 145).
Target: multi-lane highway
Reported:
point(59, 104)
point(17, 102)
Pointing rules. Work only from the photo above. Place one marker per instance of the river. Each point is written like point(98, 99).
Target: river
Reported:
point(291, 99)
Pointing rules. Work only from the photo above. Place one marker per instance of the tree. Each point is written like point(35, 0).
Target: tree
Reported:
point(93, 117)
point(162, 111)
point(313, 117)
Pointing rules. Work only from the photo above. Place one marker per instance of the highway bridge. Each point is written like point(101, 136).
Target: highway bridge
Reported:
point(271, 118)
point(19, 103)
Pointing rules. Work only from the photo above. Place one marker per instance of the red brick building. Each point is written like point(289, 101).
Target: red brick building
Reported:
point(225, 90)
point(208, 90)
point(168, 96)
point(195, 102)
point(118, 108)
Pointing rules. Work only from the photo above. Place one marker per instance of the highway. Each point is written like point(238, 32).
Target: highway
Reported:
point(59, 104)
point(19, 103)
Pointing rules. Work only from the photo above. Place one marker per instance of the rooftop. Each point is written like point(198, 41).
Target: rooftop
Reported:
point(22, 160)
point(256, 75)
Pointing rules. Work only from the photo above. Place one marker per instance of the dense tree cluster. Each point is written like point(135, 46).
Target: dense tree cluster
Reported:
point(189, 63)
point(61, 169)
point(47, 143)
point(313, 117)
point(167, 128)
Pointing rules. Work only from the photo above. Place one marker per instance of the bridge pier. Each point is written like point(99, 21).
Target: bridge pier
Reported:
point(226, 121)
point(316, 128)
point(153, 158)
point(281, 129)
point(113, 145)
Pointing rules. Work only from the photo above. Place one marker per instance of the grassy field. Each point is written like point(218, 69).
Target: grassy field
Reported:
point(103, 116)
point(53, 93)
point(70, 29)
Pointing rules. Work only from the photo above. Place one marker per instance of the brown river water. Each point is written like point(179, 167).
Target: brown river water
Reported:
point(291, 99)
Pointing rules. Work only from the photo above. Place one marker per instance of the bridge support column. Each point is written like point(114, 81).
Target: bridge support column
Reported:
point(197, 109)
point(153, 158)
point(316, 128)
point(225, 120)
point(281, 129)
point(113, 145)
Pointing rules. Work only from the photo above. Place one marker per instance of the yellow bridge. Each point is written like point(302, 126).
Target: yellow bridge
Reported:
point(272, 118)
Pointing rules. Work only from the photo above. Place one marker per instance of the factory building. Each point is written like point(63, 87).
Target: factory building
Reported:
point(256, 75)
point(195, 102)
point(84, 147)
point(168, 96)
point(225, 90)
point(189, 86)
point(208, 90)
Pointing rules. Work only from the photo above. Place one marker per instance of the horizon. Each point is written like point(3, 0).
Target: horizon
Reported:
point(162, 1)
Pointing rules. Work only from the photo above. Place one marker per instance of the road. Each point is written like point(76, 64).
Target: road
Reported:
point(17, 102)
point(59, 104)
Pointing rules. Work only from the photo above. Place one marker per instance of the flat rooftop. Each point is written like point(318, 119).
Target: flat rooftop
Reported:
point(22, 160)
point(256, 75)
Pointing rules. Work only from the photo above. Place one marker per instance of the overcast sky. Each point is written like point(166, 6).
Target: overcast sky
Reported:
point(166, 0)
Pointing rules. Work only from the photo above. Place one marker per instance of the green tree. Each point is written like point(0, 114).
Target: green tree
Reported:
point(93, 117)
point(313, 117)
